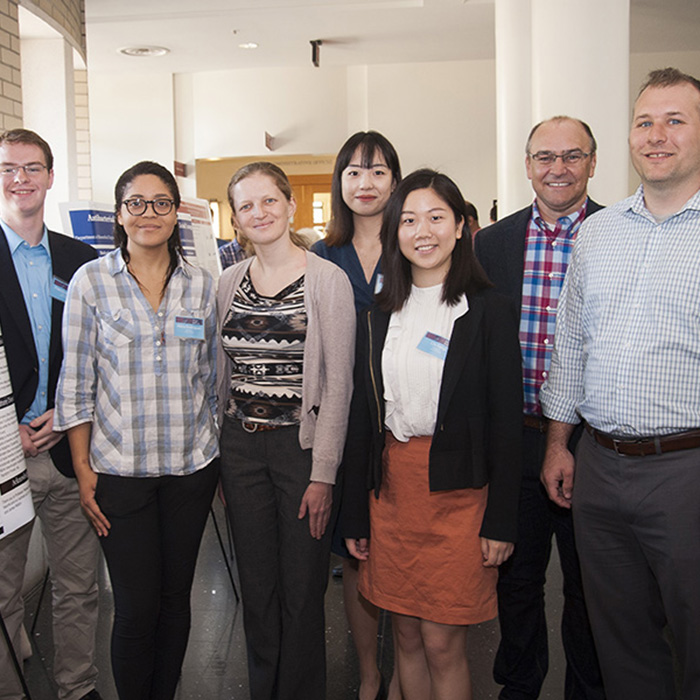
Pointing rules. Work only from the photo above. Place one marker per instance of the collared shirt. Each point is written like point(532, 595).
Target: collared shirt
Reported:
point(346, 258)
point(34, 272)
point(231, 253)
point(627, 347)
point(547, 253)
point(145, 379)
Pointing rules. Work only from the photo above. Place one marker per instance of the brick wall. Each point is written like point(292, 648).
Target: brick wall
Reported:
point(10, 75)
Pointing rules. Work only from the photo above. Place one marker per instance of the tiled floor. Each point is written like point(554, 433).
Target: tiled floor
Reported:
point(215, 664)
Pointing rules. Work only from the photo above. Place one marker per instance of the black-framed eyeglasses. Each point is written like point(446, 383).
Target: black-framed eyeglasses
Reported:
point(31, 170)
point(568, 158)
point(137, 206)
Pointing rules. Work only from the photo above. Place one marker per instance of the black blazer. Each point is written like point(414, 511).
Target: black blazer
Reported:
point(500, 249)
point(67, 255)
point(478, 433)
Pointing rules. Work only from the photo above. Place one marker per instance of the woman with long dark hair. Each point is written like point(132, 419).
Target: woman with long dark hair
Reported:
point(137, 396)
point(286, 345)
point(366, 172)
point(434, 433)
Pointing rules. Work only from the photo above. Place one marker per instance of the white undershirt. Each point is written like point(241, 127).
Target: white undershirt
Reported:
point(412, 377)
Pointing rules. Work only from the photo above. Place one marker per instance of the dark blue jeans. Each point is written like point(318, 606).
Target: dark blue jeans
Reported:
point(522, 659)
point(151, 551)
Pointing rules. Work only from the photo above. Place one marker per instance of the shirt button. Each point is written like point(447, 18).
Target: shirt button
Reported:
point(157, 343)
point(544, 374)
point(546, 341)
point(43, 359)
point(35, 296)
point(158, 357)
point(551, 275)
point(160, 313)
point(548, 308)
point(554, 244)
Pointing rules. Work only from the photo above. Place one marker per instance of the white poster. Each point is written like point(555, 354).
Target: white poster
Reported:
point(16, 507)
point(93, 222)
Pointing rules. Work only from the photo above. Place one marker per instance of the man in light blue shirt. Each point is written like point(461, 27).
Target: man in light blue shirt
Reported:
point(37, 265)
point(627, 362)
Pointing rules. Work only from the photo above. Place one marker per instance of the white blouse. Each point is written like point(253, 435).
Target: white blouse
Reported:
point(412, 362)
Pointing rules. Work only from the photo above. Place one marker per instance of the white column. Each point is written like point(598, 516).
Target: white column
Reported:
point(573, 56)
point(48, 95)
point(513, 102)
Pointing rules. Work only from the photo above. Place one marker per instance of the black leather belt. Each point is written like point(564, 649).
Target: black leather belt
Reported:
point(642, 447)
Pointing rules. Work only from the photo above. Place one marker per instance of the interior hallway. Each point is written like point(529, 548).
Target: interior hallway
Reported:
point(215, 665)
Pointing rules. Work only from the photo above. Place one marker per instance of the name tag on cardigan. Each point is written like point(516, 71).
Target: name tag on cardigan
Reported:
point(434, 345)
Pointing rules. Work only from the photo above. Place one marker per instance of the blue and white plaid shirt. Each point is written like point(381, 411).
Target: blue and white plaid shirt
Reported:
point(231, 253)
point(149, 393)
point(627, 345)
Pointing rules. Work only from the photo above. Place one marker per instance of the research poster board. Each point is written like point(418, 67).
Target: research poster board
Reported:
point(93, 223)
point(16, 506)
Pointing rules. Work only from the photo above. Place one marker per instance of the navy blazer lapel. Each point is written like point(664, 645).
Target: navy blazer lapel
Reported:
point(12, 297)
point(464, 334)
point(516, 256)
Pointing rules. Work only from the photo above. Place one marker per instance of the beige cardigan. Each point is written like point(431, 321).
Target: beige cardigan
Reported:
point(329, 354)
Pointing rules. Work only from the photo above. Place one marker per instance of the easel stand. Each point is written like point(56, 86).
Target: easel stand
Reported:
point(15, 660)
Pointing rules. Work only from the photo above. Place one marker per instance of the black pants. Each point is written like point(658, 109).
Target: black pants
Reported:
point(151, 551)
point(522, 659)
point(283, 570)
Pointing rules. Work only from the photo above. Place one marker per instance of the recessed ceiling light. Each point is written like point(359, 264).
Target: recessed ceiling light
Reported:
point(144, 51)
point(248, 45)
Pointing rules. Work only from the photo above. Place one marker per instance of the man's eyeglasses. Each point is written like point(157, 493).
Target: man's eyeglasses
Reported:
point(549, 158)
point(137, 206)
point(31, 170)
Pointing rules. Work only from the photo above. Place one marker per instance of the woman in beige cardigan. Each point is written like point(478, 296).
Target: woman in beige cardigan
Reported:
point(286, 349)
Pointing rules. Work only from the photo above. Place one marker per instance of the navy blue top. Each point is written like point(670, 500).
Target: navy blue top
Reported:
point(345, 257)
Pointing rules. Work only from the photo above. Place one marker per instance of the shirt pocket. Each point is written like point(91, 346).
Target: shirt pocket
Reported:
point(117, 328)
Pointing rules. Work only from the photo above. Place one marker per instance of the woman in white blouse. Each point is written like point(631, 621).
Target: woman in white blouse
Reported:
point(434, 431)
point(137, 396)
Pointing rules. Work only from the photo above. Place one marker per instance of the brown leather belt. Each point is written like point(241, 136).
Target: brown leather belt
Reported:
point(642, 447)
point(539, 423)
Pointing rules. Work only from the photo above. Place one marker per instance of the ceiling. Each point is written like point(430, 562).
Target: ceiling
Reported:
point(203, 35)
point(358, 32)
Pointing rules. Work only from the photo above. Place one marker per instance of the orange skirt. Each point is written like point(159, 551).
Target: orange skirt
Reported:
point(425, 553)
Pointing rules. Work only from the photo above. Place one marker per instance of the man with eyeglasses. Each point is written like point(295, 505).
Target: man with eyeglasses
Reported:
point(526, 256)
point(37, 266)
point(627, 364)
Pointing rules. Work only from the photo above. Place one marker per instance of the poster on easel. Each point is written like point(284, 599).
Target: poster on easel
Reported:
point(93, 223)
point(16, 506)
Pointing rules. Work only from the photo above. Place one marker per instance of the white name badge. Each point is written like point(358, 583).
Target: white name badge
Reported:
point(58, 289)
point(189, 327)
point(434, 345)
point(379, 283)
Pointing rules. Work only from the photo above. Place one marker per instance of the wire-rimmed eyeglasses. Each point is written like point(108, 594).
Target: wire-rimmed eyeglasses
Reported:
point(568, 157)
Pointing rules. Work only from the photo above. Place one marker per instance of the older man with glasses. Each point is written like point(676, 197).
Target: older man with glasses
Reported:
point(526, 255)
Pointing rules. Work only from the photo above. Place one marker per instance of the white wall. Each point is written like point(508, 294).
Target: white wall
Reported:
point(441, 115)
point(131, 119)
point(304, 109)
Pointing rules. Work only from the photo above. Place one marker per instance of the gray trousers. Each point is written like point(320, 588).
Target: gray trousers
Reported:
point(72, 549)
point(637, 522)
point(283, 570)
